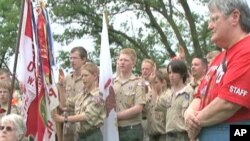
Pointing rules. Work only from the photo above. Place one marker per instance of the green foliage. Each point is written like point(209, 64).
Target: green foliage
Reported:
point(153, 28)
point(9, 17)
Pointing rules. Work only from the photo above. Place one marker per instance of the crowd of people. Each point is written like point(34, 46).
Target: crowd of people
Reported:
point(171, 103)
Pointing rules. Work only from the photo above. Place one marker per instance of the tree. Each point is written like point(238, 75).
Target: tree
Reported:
point(9, 17)
point(154, 28)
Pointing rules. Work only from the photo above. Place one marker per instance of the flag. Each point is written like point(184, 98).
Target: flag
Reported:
point(40, 96)
point(26, 66)
point(109, 130)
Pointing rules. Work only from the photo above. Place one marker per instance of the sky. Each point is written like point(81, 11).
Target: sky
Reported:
point(87, 41)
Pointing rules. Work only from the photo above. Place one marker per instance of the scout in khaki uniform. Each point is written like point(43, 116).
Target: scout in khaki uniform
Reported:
point(5, 88)
point(176, 101)
point(89, 107)
point(156, 120)
point(71, 85)
point(130, 98)
point(147, 67)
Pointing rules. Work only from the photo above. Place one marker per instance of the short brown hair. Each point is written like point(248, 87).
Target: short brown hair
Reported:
point(82, 52)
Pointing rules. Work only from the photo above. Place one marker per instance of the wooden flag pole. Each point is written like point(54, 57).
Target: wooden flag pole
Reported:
point(16, 57)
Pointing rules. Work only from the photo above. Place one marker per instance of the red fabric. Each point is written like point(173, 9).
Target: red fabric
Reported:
point(234, 85)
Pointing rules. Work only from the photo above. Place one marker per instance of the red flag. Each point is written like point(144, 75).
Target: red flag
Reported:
point(40, 95)
point(26, 67)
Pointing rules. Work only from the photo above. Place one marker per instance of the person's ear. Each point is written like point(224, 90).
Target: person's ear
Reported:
point(235, 16)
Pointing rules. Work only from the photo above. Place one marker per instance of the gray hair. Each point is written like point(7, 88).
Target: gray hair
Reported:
point(228, 6)
point(18, 122)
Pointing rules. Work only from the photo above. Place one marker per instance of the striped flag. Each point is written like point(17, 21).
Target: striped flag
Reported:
point(40, 96)
point(109, 130)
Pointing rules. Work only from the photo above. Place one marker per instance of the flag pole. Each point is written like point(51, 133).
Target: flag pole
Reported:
point(16, 57)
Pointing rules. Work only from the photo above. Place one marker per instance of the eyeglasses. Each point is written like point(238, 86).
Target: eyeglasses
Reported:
point(7, 128)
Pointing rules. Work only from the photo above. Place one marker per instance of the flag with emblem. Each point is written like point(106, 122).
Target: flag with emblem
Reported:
point(40, 96)
point(110, 131)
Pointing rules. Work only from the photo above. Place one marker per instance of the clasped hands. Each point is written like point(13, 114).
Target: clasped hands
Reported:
point(192, 123)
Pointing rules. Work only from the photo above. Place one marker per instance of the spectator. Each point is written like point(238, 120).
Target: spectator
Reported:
point(223, 95)
point(12, 128)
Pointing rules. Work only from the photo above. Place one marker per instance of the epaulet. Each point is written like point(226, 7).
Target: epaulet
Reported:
point(101, 94)
point(193, 84)
point(189, 88)
point(136, 78)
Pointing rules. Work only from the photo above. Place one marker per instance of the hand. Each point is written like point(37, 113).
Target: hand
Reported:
point(193, 133)
point(182, 54)
point(192, 123)
point(110, 101)
point(61, 76)
point(152, 76)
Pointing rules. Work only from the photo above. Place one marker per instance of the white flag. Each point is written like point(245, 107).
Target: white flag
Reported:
point(109, 130)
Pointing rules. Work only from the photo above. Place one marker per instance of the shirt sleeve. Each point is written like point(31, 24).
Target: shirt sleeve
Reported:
point(235, 87)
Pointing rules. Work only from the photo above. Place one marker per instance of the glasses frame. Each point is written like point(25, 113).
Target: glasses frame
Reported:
point(7, 128)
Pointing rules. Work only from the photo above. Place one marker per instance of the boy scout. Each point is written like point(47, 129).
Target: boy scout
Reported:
point(156, 120)
point(176, 101)
point(130, 98)
point(5, 88)
point(89, 107)
point(72, 85)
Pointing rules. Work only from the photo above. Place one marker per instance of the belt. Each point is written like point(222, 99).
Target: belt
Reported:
point(171, 134)
point(129, 127)
point(91, 131)
point(175, 134)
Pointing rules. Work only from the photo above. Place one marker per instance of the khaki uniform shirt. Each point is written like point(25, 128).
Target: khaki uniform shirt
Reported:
point(128, 94)
point(175, 104)
point(72, 88)
point(91, 106)
point(156, 120)
point(194, 84)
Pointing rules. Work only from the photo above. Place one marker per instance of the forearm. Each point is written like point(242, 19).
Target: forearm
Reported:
point(195, 104)
point(62, 97)
point(76, 118)
point(216, 112)
point(131, 112)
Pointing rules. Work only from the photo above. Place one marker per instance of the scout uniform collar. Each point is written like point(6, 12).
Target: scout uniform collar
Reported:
point(132, 77)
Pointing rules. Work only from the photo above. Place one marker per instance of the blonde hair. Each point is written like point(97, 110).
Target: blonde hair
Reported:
point(91, 68)
point(150, 61)
point(130, 52)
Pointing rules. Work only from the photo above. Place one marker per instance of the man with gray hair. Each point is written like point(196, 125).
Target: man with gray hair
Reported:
point(224, 94)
